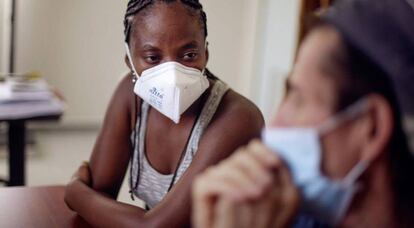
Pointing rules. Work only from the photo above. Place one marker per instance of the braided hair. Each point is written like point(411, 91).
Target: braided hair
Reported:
point(136, 6)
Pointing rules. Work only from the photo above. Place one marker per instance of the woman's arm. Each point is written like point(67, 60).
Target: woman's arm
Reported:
point(99, 210)
point(112, 150)
point(108, 162)
point(236, 122)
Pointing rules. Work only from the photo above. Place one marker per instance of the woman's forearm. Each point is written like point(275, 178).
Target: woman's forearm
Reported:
point(100, 210)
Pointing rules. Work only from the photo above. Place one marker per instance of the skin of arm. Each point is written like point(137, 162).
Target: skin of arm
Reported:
point(235, 123)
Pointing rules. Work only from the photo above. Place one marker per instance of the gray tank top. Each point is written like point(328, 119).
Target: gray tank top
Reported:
point(152, 185)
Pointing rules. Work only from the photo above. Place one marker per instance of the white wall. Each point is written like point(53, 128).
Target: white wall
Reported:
point(275, 51)
point(232, 26)
point(5, 10)
point(2, 23)
point(77, 46)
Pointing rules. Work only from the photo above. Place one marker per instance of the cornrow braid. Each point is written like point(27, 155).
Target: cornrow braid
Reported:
point(136, 6)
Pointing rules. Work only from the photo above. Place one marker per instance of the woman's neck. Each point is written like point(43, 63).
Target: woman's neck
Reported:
point(374, 206)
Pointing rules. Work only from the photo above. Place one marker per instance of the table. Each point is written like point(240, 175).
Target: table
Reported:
point(17, 146)
point(42, 207)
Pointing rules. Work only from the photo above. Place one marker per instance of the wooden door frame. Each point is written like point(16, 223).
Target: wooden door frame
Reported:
point(307, 8)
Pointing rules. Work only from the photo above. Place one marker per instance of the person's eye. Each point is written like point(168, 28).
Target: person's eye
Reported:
point(190, 56)
point(152, 59)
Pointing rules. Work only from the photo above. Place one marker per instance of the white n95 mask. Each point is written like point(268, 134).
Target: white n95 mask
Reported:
point(300, 148)
point(171, 88)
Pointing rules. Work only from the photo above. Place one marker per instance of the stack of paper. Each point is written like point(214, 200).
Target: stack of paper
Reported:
point(17, 90)
point(23, 97)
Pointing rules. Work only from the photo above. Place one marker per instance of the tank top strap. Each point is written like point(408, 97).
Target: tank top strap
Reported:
point(217, 93)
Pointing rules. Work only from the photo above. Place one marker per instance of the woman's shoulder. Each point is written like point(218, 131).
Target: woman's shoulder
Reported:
point(236, 107)
point(124, 101)
point(237, 112)
point(234, 103)
point(125, 87)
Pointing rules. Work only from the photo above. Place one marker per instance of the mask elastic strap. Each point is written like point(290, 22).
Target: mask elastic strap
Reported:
point(128, 52)
point(350, 182)
point(356, 172)
point(203, 72)
point(348, 114)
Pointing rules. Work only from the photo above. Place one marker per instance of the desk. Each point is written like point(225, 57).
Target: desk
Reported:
point(17, 146)
point(24, 97)
point(41, 207)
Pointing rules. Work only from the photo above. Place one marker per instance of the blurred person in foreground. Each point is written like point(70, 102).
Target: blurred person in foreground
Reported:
point(336, 152)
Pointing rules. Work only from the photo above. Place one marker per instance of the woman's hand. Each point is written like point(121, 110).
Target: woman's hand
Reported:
point(252, 188)
point(83, 174)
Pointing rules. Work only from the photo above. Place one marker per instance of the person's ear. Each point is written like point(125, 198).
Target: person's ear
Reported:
point(379, 125)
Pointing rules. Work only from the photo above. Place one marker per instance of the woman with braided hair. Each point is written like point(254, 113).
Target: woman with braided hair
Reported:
point(170, 118)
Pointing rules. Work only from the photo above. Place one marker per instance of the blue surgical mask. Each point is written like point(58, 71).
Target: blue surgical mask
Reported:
point(300, 148)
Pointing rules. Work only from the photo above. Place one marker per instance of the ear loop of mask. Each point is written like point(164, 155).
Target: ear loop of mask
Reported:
point(203, 72)
point(134, 71)
point(349, 113)
point(350, 181)
point(356, 172)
